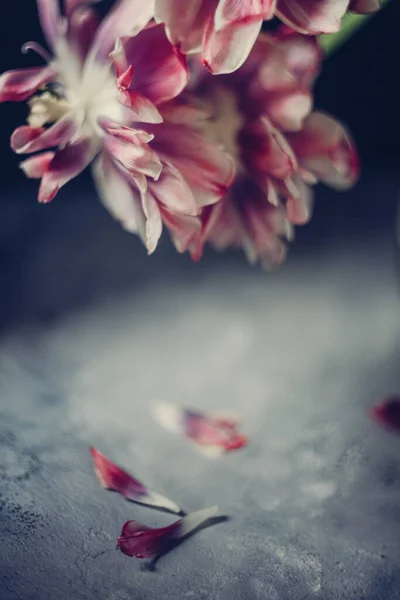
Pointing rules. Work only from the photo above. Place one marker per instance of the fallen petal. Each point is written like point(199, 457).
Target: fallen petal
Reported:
point(387, 413)
point(141, 541)
point(206, 430)
point(114, 478)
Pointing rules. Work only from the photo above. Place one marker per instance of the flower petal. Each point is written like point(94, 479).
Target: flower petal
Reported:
point(289, 110)
point(21, 84)
point(26, 139)
point(35, 166)
point(185, 231)
point(231, 11)
point(226, 50)
point(299, 203)
point(128, 17)
point(173, 192)
point(140, 541)
point(82, 27)
point(184, 21)
point(207, 168)
point(312, 16)
point(66, 164)
point(70, 6)
point(325, 148)
point(205, 430)
point(114, 478)
point(387, 413)
point(153, 221)
point(160, 70)
point(50, 19)
point(120, 198)
point(365, 7)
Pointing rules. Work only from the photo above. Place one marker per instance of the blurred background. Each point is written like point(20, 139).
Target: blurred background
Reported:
point(92, 330)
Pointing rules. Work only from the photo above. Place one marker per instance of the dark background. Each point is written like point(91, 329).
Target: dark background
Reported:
point(92, 330)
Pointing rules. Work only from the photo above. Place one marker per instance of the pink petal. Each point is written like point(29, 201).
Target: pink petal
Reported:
point(325, 149)
point(50, 19)
point(365, 7)
point(134, 155)
point(387, 413)
point(66, 164)
point(173, 192)
point(26, 139)
point(160, 70)
point(185, 232)
point(226, 50)
point(70, 6)
point(119, 197)
point(185, 21)
point(207, 431)
point(299, 203)
point(153, 221)
point(35, 166)
point(82, 27)
point(231, 11)
point(302, 55)
point(289, 110)
point(312, 16)
point(20, 84)
point(140, 541)
point(208, 169)
point(114, 478)
point(266, 151)
point(128, 17)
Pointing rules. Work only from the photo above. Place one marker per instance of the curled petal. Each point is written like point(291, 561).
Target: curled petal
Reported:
point(387, 413)
point(153, 221)
point(312, 16)
point(116, 479)
point(21, 84)
point(35, 166)
point(26, 139)
point(226, 50)
point(211, 433)
point(160, 70)
point(66, 164)
point(141, 541)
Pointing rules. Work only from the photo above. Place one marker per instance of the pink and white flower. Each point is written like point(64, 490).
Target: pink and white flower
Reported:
point(262, 115)
point(320, 16)
point(116, 479)
point(224, 31)
point(141, 541)
point(106, 96)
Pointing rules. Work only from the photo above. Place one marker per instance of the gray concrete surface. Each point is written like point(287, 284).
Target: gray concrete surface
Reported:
point(94, 331)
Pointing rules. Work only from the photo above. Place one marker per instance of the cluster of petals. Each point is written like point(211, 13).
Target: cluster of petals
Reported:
point(107, 96)
point(263, 114)
point(227, 160)
point(224, 31)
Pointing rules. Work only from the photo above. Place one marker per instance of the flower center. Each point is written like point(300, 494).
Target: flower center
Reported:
point(225, 121)
point(85, 91)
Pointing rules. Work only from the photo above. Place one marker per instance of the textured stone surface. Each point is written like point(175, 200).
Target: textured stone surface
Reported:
point(96, 331)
